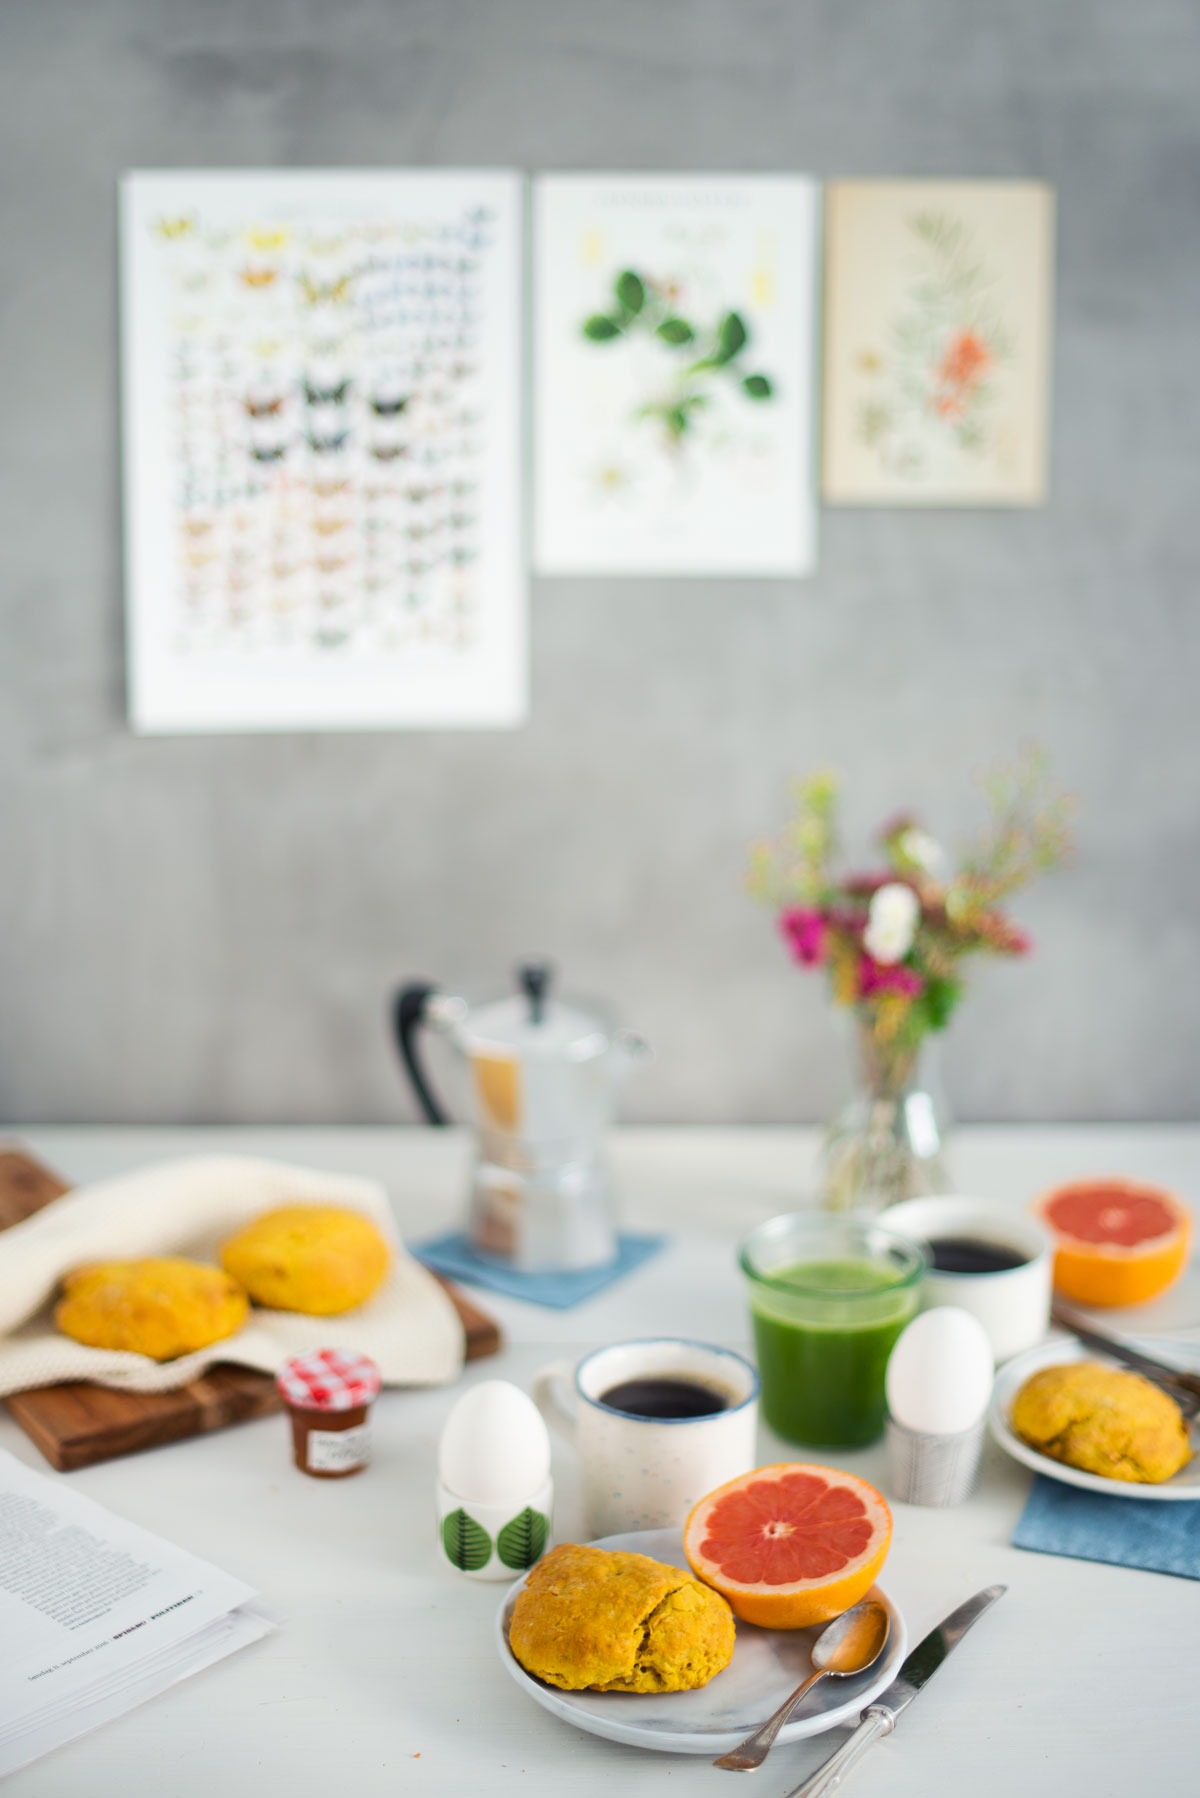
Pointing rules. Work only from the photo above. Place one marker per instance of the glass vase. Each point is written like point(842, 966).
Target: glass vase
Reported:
point(886, 1143)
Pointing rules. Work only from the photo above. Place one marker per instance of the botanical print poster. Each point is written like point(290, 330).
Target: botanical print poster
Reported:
point(321, 389)
point(673, 342)
point(937, 342)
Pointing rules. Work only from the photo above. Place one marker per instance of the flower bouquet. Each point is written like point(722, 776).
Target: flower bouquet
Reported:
point(893, 942)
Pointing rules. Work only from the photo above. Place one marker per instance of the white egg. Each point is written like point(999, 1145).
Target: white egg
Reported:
point(495, 1448)
point(939, 1377)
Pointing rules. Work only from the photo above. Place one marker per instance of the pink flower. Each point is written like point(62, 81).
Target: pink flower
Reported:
point(874, 978)
point(896, 826)
point(865, 884)
point(804, 932)
point(1000, 934)
point(845, 917)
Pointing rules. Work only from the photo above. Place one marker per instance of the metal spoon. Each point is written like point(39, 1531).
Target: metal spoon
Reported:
point(850, 1644)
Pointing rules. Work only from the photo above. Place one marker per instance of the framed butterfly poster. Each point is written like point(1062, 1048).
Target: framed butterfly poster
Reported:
point(321, 387)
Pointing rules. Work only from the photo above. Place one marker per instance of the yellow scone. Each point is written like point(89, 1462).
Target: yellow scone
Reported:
point(605, 1621)
point(163, 1306)
point(1104, 1421)
point(319, 1259)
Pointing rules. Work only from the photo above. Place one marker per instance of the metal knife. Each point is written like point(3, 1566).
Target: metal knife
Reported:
point(879, 1718)
point(1177, 1380)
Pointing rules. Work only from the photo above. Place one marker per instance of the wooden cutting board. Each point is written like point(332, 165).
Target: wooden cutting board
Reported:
point(79, 1424)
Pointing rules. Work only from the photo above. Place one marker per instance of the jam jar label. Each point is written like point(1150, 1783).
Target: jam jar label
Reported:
point(334, 1451)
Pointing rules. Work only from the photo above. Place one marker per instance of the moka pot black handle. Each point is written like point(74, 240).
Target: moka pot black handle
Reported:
point(408, 1014)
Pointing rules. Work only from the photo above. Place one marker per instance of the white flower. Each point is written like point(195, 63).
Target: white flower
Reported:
point(891, 923)
point(923, 852)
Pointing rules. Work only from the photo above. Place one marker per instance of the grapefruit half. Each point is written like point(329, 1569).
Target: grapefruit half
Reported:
point(1116, 1242)
point(791, 1544)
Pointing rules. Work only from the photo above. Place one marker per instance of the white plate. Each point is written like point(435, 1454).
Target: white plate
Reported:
point(767, 1664)
point(1013, 1375)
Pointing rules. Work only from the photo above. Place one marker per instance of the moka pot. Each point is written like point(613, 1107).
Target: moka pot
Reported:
point(544, 1078)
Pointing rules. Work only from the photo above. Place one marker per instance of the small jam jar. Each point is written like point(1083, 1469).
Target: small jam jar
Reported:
point(329, 1393)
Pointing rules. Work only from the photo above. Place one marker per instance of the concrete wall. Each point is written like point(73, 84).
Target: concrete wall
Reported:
point(206, 928)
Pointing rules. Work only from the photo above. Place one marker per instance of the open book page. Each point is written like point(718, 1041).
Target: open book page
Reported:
point(88, 1709)
point(96, 1614)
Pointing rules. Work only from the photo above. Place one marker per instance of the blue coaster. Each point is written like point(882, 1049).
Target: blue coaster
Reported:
point(453, 1255)
point(1125, 1532)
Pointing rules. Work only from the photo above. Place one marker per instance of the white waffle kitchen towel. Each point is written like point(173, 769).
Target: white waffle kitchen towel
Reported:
point(409, 1328)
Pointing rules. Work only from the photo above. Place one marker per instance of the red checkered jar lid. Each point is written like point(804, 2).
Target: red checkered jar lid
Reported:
point(329, 1380)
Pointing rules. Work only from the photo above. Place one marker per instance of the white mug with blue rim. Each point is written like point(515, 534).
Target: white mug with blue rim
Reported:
point(657, 1423)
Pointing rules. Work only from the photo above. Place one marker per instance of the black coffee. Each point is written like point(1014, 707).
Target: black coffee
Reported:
point(662, 1397)
point(964, 1255)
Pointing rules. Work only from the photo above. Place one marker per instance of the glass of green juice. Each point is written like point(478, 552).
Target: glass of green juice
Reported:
point(828, 1298)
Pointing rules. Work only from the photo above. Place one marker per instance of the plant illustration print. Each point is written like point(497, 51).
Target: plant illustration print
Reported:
point(698, 360)
point(932, 379)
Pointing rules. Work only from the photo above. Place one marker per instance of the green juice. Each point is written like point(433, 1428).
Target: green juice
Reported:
point(823, 1331)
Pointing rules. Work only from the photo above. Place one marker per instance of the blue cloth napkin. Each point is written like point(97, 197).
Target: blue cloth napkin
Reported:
point(453, 1255)
point(1126, 1532)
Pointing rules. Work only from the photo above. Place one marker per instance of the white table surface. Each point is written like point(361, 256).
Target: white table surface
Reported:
point(383, 1676)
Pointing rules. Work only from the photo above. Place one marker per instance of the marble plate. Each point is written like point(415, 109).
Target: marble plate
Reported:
point(1013, 1375)
point(767, 1664)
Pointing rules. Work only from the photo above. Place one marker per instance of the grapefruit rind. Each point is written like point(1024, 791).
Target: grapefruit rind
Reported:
point(1095, 1271)
point(845, 1574)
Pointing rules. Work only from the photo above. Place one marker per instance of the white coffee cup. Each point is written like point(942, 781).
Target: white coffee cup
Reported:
point(646, 1473)
point(1012, 1304)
